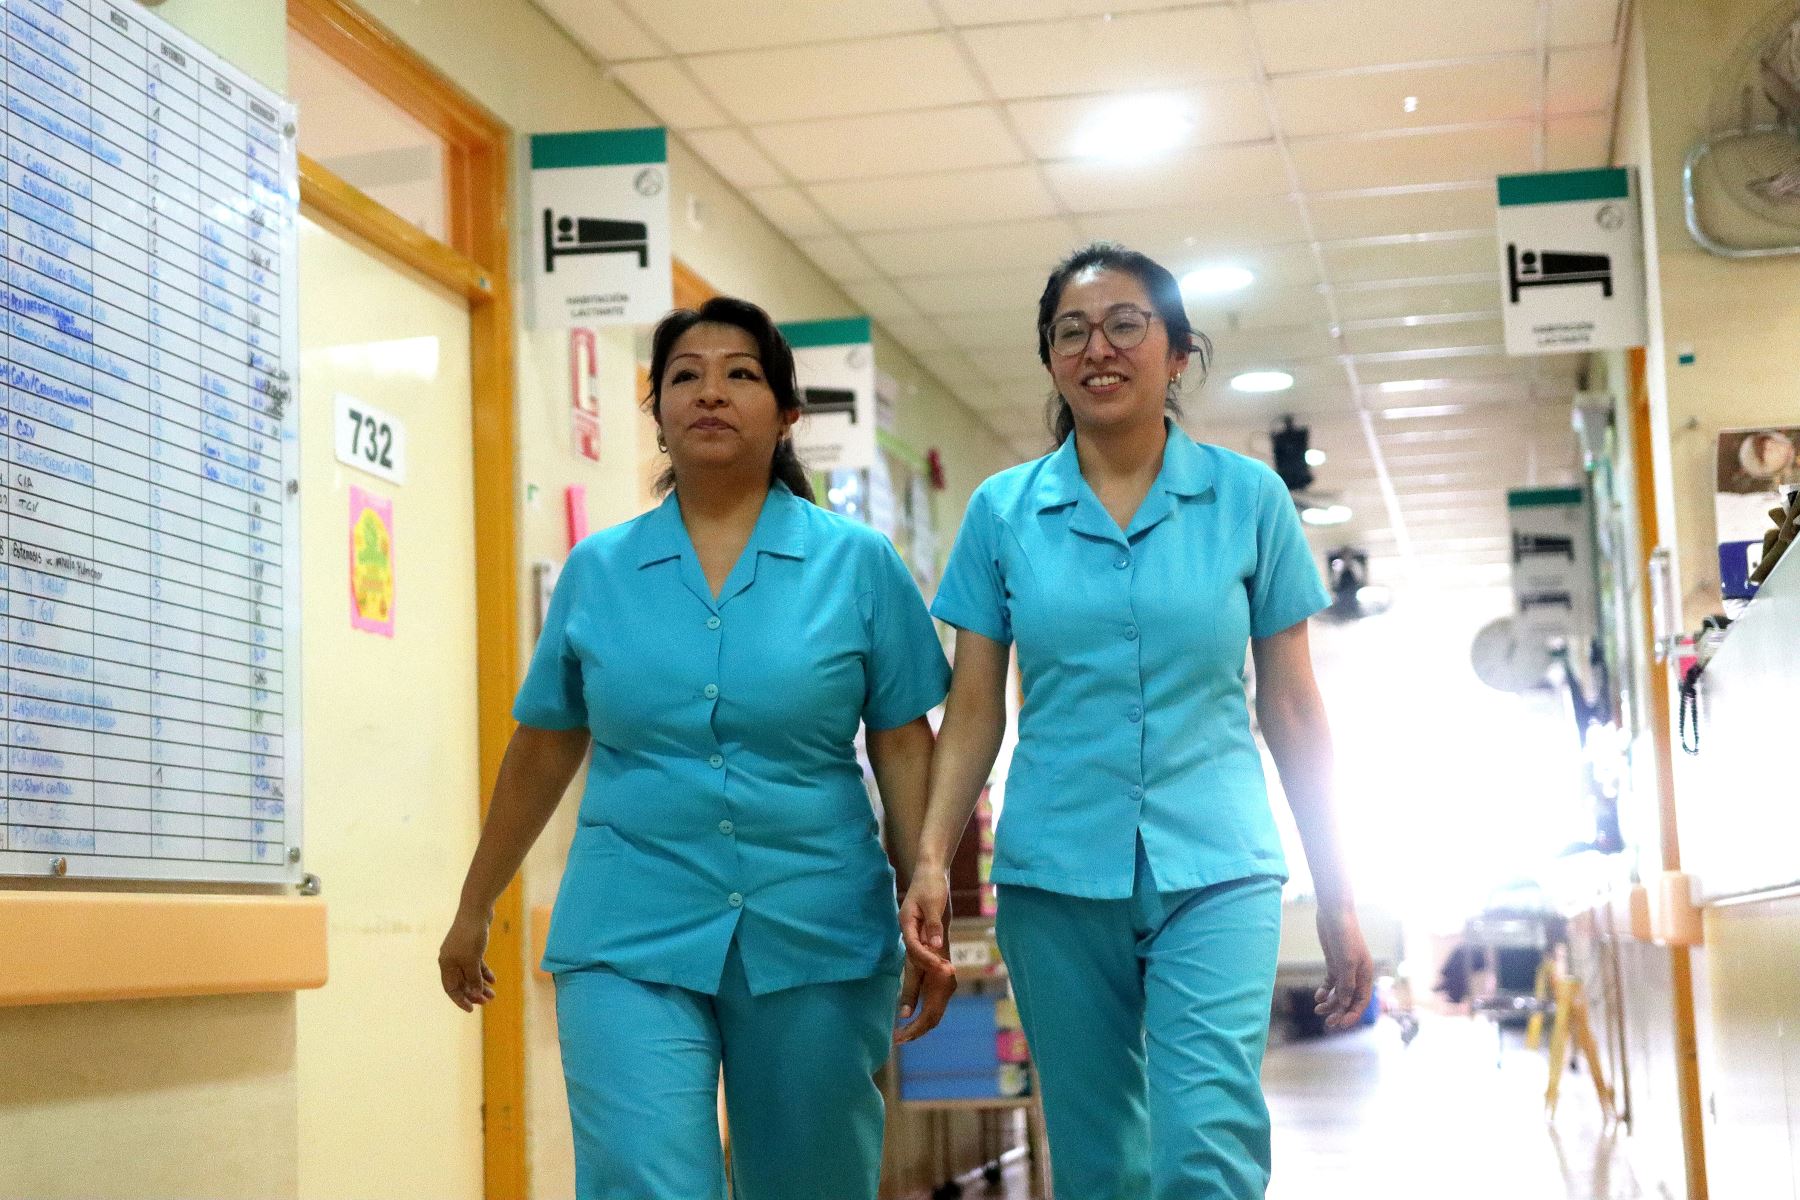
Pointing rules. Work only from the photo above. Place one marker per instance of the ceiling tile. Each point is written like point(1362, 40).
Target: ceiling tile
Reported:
point(1009, 328)
point(790, 211)
point(1577, 143)
point(1363, 304)
point(1496, 367)
point(699, 26)
point(946, 295)
point(920, 201)
point(920, 335)
point(1003, 12)
point(1439, 210)
point(1582, 81)
point(842, 79)
point(1282, 268)
point(1412, 260)
point(1225, 222)
point(1484, 332)
point(738, 162)
point(669, 93)
point(1583, 22)
point(909, 143)
point(1240, 348)
point(1457, 156)
point(879, 299)
point(1196, 179)
point(1129, 53)
point(1036, 244)
point(1257, 308)
point(1495, 90)
point(838, 258)
point(1321, 35)
point(603, 27)
point(1222, 112)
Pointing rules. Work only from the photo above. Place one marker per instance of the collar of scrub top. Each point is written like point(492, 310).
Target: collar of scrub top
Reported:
point(1185, 474)
point(780, 530)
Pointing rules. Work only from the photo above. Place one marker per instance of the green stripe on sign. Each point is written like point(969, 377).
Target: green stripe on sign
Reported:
point(1558, 187)
point(599, 148)
point(1544, 497)
point(844, 331)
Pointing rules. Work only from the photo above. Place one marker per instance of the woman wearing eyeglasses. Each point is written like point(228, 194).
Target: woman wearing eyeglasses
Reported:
point(1138, 864)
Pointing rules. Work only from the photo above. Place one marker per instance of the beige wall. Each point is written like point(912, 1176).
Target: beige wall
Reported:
point(1738, 317)
point(188, 1098)
point(1738, 320)
point(159, 1098)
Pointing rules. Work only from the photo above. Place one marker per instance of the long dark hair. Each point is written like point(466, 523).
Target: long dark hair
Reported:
point(1165, 298)
point(778, 368)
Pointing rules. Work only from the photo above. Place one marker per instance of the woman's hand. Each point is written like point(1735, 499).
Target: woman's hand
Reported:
point(936, 982)
point(923, 915)
point(928, 971)
point(467, 979)
point(1349, 971)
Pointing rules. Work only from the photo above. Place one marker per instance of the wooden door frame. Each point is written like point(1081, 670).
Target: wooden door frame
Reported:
point(475, 263)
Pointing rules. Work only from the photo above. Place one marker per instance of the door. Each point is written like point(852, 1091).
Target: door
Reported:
point(389, 1071)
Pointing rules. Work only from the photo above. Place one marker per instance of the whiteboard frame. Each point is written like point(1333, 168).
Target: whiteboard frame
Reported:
point(290, 869)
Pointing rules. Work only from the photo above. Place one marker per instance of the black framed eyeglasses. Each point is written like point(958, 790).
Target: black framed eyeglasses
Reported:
point(1125, 327)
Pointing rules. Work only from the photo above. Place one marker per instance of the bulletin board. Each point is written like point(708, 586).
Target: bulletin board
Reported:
point(149, 505)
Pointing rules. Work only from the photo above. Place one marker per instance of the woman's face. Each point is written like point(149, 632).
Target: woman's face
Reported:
point(1105, 386)
point(717, 409)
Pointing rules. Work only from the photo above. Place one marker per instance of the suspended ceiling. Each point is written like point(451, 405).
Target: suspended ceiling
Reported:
point(927, 155)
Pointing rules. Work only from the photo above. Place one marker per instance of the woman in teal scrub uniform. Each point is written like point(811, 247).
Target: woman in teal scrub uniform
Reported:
point(1138, 864)
point(727, 902)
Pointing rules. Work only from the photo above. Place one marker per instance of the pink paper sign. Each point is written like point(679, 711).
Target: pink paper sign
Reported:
point(371, 563)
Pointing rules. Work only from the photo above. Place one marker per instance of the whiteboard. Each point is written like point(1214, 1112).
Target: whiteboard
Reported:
point(149, 504)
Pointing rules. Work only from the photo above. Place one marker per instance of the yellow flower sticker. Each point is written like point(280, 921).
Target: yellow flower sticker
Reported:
point(371, 563)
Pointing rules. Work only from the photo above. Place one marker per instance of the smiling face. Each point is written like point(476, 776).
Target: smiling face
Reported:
point(1105, 386)
point(715, 407)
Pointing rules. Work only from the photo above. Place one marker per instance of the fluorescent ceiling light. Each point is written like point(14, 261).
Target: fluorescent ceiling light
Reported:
point(1325, 514)
point(1137, 127)
point(1262, 381)
point(1315, 457)
point(1424, 410)
point(1407, 385)
point(1216, 280)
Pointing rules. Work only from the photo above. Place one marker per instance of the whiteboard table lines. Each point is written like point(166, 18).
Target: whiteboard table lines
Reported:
point(149, 584)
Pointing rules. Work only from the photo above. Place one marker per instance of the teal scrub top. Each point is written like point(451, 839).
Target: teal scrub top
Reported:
point(1131, 651)
point(724, 797)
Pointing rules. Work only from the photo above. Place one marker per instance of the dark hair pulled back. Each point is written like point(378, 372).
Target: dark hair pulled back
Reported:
point(1165, 298)
point(777, 359)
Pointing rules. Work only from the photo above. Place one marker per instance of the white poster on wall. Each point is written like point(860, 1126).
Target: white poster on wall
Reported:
point(1571, 261)
point(600, 225)
point(835, 365)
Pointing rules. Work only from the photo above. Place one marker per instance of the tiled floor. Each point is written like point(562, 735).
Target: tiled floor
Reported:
point(1362, 1117)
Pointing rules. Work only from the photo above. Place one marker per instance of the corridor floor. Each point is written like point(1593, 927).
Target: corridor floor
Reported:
point(1362, 1117)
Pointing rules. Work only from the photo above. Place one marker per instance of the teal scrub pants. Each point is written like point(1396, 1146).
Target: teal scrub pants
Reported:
point(642, 1064)
point(1147, 1019)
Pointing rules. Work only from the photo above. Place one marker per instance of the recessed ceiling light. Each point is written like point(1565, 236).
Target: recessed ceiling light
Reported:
point(1136, 127)
point(1326, 514)
point(1315, 457)
point(1216, 280)
point(1262, 381)
point(1410, 104)
point(1407, 385)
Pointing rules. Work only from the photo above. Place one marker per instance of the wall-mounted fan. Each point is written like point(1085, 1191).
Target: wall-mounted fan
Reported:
point(1751, 153)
